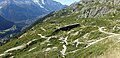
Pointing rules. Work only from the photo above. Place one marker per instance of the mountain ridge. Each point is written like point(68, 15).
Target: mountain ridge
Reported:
point(13, 5)
point(23, 13)
point(97, 35)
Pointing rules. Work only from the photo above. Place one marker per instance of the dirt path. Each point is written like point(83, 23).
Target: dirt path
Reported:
point(17, 48)
point(101, 30)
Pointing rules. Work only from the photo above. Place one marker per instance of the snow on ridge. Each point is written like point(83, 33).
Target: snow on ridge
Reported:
point(43, 2)
point(0, 7)
point(37, 2)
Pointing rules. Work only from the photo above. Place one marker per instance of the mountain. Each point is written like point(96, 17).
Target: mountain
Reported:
point(27, 11)
point(22, 10)
point(87, 29)
point(6, 29)
point(5, 24)
point(23, 13)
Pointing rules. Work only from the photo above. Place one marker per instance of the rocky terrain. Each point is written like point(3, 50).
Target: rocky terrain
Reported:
point(87, 29)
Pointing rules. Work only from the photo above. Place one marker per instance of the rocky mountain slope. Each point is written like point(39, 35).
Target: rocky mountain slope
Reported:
point(87, 29)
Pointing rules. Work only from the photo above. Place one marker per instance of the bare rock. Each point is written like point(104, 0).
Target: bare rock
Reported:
point(68, 27)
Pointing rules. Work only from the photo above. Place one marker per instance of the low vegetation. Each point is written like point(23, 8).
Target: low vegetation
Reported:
point(96, 37)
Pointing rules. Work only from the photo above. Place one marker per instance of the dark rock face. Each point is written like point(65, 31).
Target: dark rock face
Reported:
point(95, 8)
point(68, 27)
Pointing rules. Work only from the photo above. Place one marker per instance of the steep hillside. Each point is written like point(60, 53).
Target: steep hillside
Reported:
point(87, 29)
point(23, 13)
point(19, 11)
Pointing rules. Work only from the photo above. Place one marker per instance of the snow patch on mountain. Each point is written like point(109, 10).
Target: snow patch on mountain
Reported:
point(43, 2)
point(37, 2)
point(0, 7)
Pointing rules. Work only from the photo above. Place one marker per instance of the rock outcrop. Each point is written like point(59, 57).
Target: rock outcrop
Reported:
point(67, 27)
point(97, 8)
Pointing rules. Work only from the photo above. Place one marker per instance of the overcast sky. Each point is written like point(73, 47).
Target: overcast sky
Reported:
point(67, 2)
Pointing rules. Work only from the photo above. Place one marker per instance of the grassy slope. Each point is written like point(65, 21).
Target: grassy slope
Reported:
point(62, 18)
